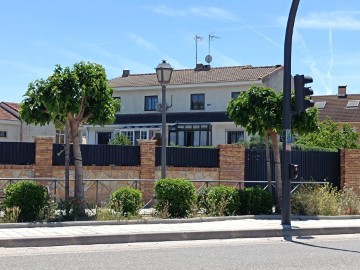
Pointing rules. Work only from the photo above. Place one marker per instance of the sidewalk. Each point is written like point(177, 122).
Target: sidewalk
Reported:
point(111, 232)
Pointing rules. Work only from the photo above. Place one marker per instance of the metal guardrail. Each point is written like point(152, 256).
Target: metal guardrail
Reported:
point(56, 187)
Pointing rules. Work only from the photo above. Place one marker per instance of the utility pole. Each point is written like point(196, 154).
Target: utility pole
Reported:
point(286, 161)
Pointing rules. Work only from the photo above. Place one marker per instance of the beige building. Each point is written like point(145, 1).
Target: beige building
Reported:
point(12, 129)
point(196, 101)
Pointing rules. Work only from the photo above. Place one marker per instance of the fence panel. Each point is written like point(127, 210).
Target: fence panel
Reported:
point(100, 155)
point(313, 166)
point(17, 153)
point(189, 157)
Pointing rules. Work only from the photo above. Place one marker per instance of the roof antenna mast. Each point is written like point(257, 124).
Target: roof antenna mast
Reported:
point(208, 58)
point(197, 38)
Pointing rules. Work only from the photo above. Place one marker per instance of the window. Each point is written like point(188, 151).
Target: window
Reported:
point(3, 134)
point(190, 135)
point(119, 108)
point(197, 102)
point(60, 136)
point(235, 136)
point(151, 103)
point(135, 135)
point(234, 95)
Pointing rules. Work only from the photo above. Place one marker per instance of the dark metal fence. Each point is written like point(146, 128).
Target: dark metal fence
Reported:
point(17, 153)
point(189, 157)
point(313, 165)
point(100, 155)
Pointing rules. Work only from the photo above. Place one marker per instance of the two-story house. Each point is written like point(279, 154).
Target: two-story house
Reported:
point(13, 129)
point(196, 101)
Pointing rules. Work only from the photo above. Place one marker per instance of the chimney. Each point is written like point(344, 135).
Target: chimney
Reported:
point(126, 73)
point(342, 91)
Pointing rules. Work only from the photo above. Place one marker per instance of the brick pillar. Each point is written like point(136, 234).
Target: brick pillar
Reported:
point(147, 170)
point(43, 157)
point(350, 168)
point(231, 163)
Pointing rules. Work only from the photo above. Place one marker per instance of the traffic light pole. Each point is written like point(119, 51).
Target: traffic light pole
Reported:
point(285, 175)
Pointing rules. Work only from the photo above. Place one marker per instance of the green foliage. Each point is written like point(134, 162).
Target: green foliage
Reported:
point(126, 200)
point(121, 139)
point(330, 135)
point(80, 93)
point(219, 200)
point(259, 110)
point(312, 199)
point(175, 196)
point(349, 201)
point(255, 201)
point(29, 197)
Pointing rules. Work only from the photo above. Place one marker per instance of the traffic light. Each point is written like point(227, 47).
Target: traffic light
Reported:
point(293, 171)
point(302, 102)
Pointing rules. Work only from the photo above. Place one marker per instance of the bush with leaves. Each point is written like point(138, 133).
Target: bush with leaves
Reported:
point(219, 200)
point(314, 199)
point(30, 197)
point(126, 201)
point(325, 200)
point(121, 139)
point(255, 201)
point(175, 196)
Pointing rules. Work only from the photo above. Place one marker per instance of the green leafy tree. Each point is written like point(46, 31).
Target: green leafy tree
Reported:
point(330, 135)
point(80, 95)
point(259, 111)
point(121, 139)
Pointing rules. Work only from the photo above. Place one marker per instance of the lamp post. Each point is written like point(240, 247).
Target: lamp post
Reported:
point(163, 73)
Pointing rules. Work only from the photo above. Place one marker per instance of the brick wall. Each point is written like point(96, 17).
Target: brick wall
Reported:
point(350, 168)
point(231, 167)
point(231, 162)
point(43, 157)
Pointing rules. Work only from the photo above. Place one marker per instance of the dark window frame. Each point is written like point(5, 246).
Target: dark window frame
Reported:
point(197, 102)
point(235, 133)
point(3, 134)
point(234, 95)
point(149, 100)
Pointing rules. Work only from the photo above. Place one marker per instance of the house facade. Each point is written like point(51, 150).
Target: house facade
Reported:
point(13, 129)
point(196, 105)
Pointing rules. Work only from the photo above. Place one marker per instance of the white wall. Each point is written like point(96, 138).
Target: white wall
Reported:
point(12, 129)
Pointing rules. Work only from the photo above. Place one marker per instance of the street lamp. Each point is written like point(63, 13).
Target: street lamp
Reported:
point(163, 73)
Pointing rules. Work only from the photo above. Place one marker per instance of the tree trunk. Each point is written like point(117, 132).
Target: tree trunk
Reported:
point(278, 190)
point(67, 161)
point(268, 164)
point(79, 184)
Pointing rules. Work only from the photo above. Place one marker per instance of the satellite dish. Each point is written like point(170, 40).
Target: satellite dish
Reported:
point(208, 59)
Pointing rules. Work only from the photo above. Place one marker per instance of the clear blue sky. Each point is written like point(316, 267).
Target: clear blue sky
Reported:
point(138, 34)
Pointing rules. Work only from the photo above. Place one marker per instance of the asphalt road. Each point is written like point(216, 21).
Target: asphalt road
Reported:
point(323, 252)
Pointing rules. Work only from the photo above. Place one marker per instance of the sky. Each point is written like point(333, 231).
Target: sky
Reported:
point(137, 34)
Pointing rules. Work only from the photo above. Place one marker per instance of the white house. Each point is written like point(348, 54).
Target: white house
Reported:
point(13, 129)
point(196, 100)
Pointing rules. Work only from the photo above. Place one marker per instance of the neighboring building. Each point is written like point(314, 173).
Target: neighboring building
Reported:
point(197, 100)
point(342, 108)
point(12, 129)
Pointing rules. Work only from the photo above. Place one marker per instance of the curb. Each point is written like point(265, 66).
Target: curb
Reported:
point(166, 221)
point(286, 232)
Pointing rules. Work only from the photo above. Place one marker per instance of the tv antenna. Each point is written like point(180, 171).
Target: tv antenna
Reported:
point(197, 38)
point(208, 58)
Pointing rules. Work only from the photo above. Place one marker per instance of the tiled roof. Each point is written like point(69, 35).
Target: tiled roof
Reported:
point(336, 108)
point(6, 114)
point(185, 117)
point(190, 76)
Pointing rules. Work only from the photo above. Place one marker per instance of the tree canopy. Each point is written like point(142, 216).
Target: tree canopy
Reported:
point(78, 95)
point(331, 135)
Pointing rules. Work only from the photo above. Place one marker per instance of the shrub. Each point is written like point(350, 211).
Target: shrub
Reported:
point(312, 199)
point(175, 196)
point(30, 198)
point(126, 200)
point(219, 200)
point(349, 202)
point(255, 201)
